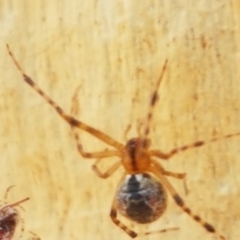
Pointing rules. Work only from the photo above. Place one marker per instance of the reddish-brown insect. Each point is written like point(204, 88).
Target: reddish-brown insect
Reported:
point(141, 195)
point(9, 218)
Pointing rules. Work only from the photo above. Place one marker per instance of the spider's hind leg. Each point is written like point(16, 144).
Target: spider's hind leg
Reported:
point(179, 201)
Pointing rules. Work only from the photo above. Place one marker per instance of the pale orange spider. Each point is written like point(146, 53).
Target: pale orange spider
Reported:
point(141, 196)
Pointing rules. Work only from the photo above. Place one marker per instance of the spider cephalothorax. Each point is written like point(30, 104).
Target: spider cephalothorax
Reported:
point(135, 158)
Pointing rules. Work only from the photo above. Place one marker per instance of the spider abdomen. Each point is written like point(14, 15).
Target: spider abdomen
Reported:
point(141, 198)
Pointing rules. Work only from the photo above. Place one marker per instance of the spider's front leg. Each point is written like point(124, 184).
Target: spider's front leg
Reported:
point(166, 156)
point(196, 144)
point(69, 119)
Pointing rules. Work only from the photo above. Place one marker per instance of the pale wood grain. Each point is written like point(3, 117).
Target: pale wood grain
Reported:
point(115, 50)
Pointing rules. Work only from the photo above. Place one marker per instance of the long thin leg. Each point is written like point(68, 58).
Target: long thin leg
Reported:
point(109, 172)
point(167, 173)
point(22, 229)
point(166, 156)
point(128, 128)
point(100, 155)
point(113, 216)
point(72, 121)
point(153, 101)
point(6, 194)
point(16, 203)
point(179, 201)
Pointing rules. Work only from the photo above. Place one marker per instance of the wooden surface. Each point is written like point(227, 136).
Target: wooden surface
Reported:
point(114, 51)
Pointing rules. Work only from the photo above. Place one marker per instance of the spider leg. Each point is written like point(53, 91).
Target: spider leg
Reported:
point(17, 203)
point(154, 100)
point(113, 216)
point(139, 128)
point(99, 155)
point(109, 172)
point(102, 154)
point(6, 193)
point(128, 128)
point(175, 175)
point(166, 156)
point(167, 173)
point(179, 201)
point(22, 224)
point(69, 119)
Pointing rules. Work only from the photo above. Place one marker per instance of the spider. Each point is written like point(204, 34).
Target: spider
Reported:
point(142, 192)
point(9, 218)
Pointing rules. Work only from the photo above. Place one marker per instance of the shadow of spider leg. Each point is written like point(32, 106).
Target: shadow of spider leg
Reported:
point(69, 119)
point(34, 236)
